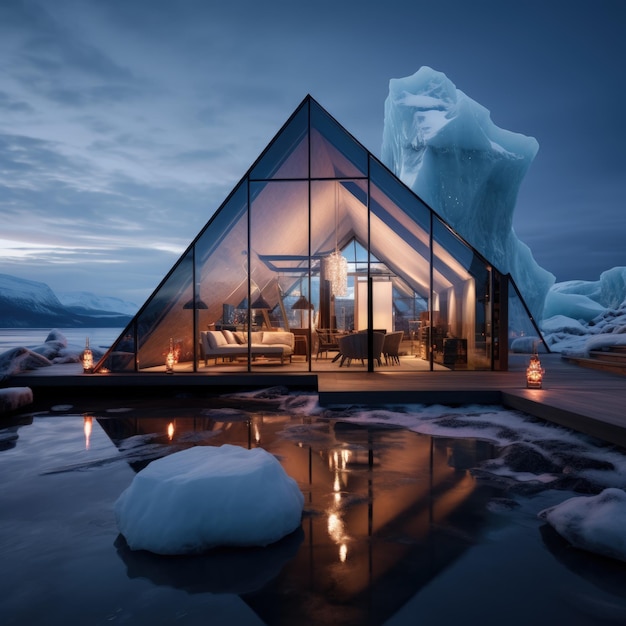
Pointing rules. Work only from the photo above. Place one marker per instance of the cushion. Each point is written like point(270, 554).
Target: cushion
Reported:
point(241, 337)
point(273, 338)
point(230, 337)
point(216, 339)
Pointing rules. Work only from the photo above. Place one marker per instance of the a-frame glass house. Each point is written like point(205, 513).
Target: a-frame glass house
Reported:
point(321, 259)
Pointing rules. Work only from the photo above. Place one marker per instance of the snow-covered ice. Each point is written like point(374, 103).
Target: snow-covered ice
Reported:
point(205, 497)
point(594, 523)
point(444, 146)
point(12, 398)
point(54, 350)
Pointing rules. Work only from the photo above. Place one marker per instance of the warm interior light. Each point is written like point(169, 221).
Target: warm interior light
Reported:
point(170, 431)
point(87, 358)
point(336, 271)
point(335, 264)
point(534, 373)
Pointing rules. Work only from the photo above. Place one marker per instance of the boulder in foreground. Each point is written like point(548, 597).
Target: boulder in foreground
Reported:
point(593, 523)
point(209, 496)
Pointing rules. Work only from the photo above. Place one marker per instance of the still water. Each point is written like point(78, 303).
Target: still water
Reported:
point(396, 529)
point(28, 337)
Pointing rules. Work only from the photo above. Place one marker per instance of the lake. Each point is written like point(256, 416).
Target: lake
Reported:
point(27, 337)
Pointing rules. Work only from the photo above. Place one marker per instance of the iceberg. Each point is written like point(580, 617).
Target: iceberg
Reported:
point(586, 298)
point(592, 523)
point(205, 497)
point(444, 146)
point(572, 305)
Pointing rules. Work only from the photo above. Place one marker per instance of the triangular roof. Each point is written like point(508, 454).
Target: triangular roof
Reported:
point(313, 188)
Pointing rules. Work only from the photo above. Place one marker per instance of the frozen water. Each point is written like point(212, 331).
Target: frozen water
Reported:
point(444, 146)
point(392, 522)
point(209, 496)
point(572, 305)
point(593, 523)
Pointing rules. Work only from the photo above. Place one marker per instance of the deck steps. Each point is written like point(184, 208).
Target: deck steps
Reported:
point(613, 359)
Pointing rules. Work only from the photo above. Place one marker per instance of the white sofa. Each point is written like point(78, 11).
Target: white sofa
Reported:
point(226, 344)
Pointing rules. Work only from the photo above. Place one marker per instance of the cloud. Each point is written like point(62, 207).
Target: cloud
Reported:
point(124, 125)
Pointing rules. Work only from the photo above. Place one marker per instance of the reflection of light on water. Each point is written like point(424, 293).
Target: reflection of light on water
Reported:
point(256, 421)
point(337, 483)
point(335, 527)
point(87, 427)
point(343, 552)
point(338, 461)
point(336, 530)
point(170, 431)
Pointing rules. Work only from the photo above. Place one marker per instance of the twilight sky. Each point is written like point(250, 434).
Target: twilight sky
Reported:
point(124, 124)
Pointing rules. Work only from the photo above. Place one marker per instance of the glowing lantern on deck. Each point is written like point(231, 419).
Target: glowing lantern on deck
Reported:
point(534, 373)
point(87, 358)
point(170, 359)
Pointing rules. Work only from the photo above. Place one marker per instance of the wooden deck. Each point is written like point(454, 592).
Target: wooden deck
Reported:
point(587, 400)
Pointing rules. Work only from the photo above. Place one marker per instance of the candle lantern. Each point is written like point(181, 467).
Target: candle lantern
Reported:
point(170, 359)
point(87, 358)
point(534, 373)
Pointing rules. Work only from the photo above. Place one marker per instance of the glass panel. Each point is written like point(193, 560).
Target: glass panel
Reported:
point(334, 153)
point(338, 239)
point(221, 254)
point(400, 225)
point(523, 336)
point(121, 356)
point(165, 317)
point(460, 325)
point(279, 253)
point(288, 154)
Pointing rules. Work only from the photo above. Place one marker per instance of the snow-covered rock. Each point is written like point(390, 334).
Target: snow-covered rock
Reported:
point(594, 523)
point(209, 496)
point(13, 398)
point(578, 338)
point(20, 360)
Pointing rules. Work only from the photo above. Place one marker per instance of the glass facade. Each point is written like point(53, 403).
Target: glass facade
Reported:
point(321, 259)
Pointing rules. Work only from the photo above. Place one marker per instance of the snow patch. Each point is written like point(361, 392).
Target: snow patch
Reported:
point(593, 523)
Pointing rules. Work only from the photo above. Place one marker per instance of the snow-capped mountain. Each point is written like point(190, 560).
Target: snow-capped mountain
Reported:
point(89, 303)
point(31, 304)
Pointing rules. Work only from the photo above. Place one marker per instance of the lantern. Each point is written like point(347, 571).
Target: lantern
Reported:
point(534, 373)
point(170, 359)
point(87, 358)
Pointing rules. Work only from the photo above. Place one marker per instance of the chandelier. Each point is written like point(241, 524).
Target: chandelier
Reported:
point(335, 264)
point(336, 271)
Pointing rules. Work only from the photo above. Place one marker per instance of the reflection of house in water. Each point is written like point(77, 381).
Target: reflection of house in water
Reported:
point(385, 511)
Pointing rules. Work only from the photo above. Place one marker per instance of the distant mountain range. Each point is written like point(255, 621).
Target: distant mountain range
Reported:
point(31, 304)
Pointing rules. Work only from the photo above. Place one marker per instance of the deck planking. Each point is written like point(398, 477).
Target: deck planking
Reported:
point(587, 400)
